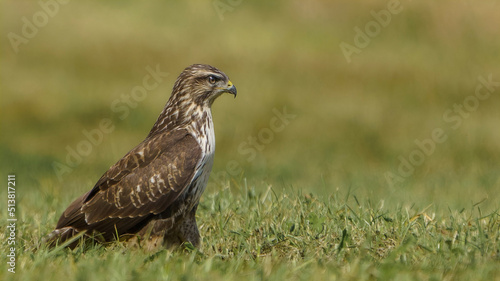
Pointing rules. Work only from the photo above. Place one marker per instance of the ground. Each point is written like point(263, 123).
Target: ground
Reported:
point(255, 236)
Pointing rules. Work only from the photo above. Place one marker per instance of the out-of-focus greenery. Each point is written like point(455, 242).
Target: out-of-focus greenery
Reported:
point(354, 121)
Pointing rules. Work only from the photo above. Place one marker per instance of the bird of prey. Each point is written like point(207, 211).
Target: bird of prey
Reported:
point(152, 193)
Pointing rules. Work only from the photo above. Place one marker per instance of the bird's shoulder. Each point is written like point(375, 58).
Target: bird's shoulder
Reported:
point(146, 181)
point(172, 154)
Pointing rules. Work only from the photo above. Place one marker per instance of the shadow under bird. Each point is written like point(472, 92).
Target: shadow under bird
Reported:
point(152, 193)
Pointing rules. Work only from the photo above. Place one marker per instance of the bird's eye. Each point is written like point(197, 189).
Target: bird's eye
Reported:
point(212, 79)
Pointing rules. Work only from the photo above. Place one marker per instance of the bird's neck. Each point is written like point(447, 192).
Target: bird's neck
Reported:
point(202, 129)
point(180, 115)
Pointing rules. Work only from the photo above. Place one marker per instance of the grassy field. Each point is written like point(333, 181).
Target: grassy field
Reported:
point(384, 166)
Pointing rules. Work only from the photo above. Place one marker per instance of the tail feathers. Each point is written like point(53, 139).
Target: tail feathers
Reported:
point(66, 235)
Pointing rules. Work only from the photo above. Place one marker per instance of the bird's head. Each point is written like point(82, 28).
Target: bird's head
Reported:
point(194, 91)
point(202, 84)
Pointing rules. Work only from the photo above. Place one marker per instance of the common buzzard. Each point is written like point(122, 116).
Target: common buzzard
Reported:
point(152, 193)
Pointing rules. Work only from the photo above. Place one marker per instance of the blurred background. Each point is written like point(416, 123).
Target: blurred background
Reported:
point(332, 95)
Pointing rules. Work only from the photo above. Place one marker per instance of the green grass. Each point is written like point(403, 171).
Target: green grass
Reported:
point(283, 234)
point(313, 202)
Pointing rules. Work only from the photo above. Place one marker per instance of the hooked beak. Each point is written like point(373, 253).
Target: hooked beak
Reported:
point(231, 88)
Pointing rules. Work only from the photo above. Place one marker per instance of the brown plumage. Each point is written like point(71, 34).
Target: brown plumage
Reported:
point(152, 192)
